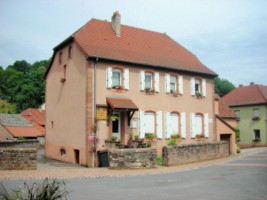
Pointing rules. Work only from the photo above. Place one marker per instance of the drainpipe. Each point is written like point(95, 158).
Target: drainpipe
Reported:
point(96, 60)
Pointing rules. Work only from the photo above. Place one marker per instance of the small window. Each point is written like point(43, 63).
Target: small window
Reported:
point(199, 124)
point(148, 80)
point(116, 77)
point(173, 84)
point(70, 52)
point(62, 152)
point(63, 79)
point(237, 114)
point(256, 114)
point(60, 57)
point(257, 134)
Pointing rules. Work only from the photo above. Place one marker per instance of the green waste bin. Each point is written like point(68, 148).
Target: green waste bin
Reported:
point(103, 158)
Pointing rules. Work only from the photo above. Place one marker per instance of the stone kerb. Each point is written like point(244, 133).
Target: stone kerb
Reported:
point(189, 153)
point(132, 158)
point(18, 155)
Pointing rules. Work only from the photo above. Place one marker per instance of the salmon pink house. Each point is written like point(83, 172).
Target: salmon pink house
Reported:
point(122, 84)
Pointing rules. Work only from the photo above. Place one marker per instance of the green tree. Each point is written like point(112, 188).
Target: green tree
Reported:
point(223, 86)
point(21, 66)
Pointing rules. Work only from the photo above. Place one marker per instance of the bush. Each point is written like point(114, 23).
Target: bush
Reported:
point(47, 190)
point(172, 142)
point(159, 160)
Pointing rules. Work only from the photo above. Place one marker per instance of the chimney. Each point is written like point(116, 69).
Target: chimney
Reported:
point(116, 23)
point(251, 83)
point(240, 85)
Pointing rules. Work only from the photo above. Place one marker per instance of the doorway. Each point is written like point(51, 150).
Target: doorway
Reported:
point(77, 156)
point(226, 138)
point(116, 126)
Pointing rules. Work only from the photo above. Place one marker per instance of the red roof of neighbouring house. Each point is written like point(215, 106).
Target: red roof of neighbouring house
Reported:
point(24, 131)
point(134, 45)
point(224, 110)
point(246, 95)
point(35, 115)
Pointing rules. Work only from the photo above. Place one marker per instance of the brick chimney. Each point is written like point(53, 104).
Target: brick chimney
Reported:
point(251, 83)
point(116, 23)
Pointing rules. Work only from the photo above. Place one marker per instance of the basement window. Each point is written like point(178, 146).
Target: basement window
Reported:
point(63, 152)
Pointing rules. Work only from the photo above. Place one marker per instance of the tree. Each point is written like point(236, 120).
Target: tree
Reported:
point(223, 86)
point(21, 66)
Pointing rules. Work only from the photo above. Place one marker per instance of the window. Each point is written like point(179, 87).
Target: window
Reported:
point(237, 114)
point(173, 84)
point(62, 152)
point(116, 77)
point(257, 134)
point(63, 79)
point(256, 114)
point(175, 121)
point(148, 80)
point(149, 122)
point(199, 124)
point(70, 52)
point(60, 57)
point(198, 87)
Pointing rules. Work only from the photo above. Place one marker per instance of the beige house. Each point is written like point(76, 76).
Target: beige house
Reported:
point(129, 82)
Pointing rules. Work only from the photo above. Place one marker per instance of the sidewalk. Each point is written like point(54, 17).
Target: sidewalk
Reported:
point(74, 171)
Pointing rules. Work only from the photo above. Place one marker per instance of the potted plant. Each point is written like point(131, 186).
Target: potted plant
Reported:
point(200, 137)
point(114, 117)
point(174, 93)
point(149, 90)
point(175, 136)
point(198, 94)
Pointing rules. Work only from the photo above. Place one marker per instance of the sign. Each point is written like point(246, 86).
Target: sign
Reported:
point(101, 113)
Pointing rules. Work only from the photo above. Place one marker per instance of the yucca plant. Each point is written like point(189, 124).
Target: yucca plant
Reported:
point(47, 190)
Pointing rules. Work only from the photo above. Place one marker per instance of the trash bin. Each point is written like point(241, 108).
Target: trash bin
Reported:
point(103, 158)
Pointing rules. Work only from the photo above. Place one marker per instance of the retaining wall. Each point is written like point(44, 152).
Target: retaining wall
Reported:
point(189, 153)
point(18, 155)
point(132, 158)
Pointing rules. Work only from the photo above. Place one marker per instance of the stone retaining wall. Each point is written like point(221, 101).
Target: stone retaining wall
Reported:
point(189, 153)
point(18, 155)
point(132, 158)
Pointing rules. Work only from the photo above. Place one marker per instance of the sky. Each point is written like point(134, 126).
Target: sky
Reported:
point(228, 36)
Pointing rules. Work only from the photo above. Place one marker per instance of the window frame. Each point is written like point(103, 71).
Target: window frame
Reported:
point(178, 122)
point(198, 82)
point(146, 113)
point(257, 116)
point(151, 74)
point(120, 71)
point(201, 125)
point(70, 52)
point(255, 132)
point(175, 83)
point(60, 57)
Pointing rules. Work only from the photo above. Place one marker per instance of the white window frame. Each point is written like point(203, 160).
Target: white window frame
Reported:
point(149, 118)
point(173, 80)
point(119, 71)
point(256, 112)
point(149, 74)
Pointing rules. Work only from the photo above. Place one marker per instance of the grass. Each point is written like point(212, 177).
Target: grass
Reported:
point(47, 190)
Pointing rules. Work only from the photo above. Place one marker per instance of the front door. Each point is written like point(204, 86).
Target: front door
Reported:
point(116, 126)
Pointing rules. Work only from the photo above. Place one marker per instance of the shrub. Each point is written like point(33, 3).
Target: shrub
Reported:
point(172, 142)
point(47, 190)
point(159, 160)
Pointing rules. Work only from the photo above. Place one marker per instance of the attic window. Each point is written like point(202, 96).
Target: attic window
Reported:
point(70, 52)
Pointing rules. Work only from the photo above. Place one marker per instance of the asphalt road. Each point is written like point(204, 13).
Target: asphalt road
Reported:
point(244, 178)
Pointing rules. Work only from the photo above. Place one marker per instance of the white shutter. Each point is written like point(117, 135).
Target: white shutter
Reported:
point(126, 78)
point(141, 124)
point(192, 125)
point(142, 80)
point(206, 125)
point(181, 85)
point(204, 92)
point(156, 81)
point(159, 124)
point(192, 82)
point(183, 125)
point(167, 125)
point(167, 83)
point(109, 77)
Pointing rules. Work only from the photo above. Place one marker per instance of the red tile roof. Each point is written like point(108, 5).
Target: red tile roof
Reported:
point(24, 131)
point(246, 95)
point(139, 46)
point(117, 103)
point(225, 111)
point(34, 115)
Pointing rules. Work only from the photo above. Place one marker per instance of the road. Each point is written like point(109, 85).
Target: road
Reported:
point(242, 178)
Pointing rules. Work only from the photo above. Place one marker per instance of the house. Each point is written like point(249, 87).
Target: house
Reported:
point(37, 118)
point(225, 123)
point(250, 106)
point(109, 79)
point(15, 126)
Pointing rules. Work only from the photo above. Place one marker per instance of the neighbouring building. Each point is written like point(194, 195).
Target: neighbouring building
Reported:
point(109, 79)
point(226, 124)
point(37, 118)
point(249, 104)
point(15, 126)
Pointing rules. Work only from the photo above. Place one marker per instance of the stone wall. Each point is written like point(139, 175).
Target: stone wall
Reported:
point(18, 155)
point(189, 153)
point(132, 158)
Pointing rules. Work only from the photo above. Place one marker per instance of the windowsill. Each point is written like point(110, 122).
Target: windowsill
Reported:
point(255, 118)
point(256, 140)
